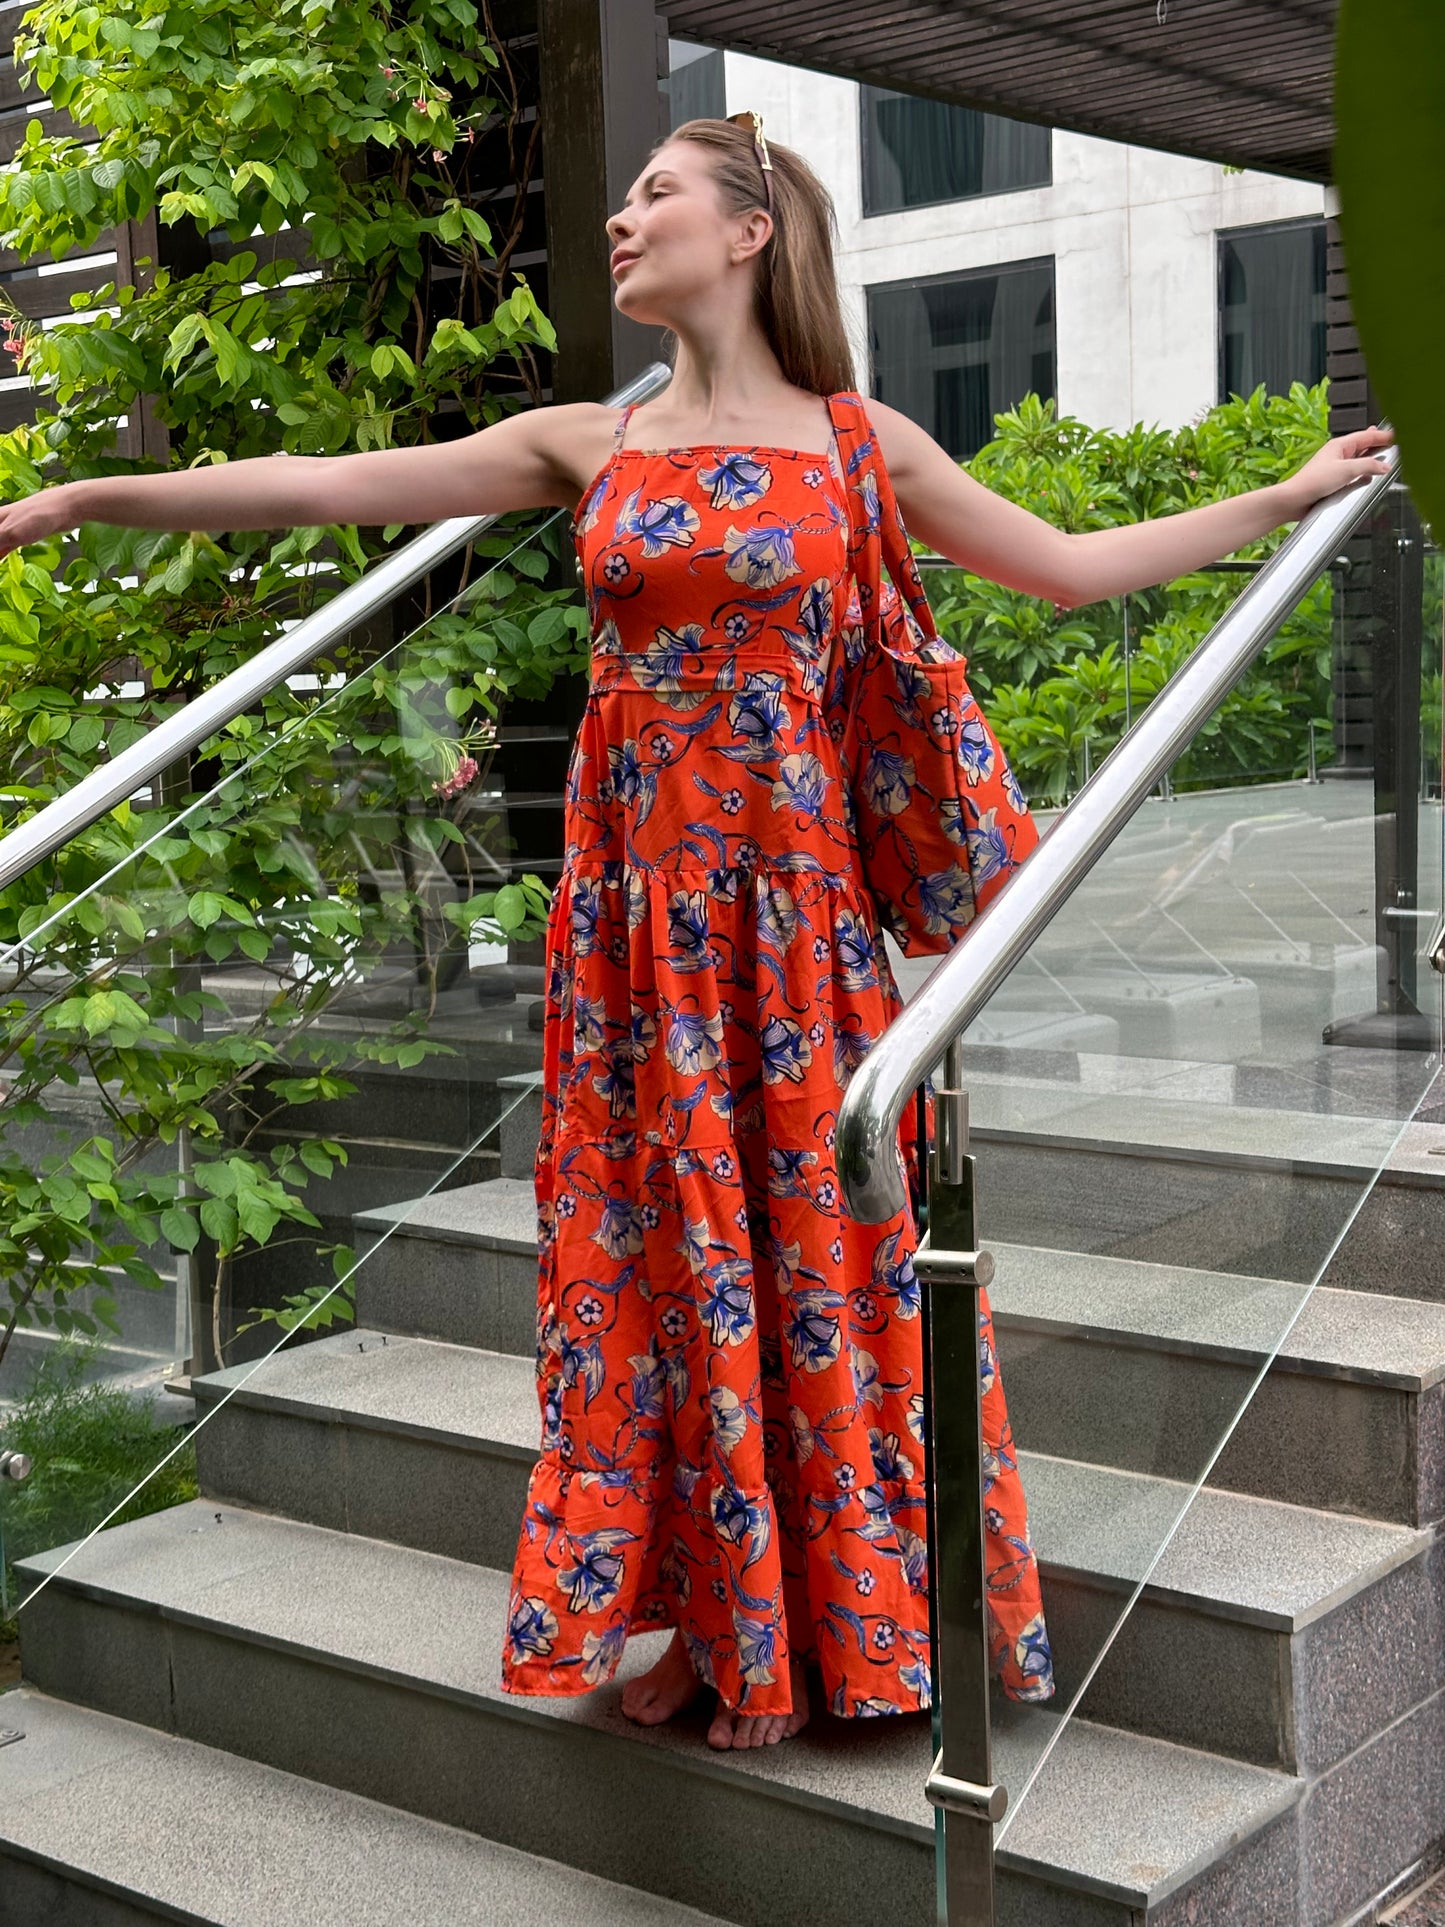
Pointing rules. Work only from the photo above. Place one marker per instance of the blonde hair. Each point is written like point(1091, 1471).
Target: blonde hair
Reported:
point(797, 285)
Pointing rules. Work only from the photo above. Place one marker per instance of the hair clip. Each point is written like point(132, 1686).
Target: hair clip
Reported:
point(754, 120)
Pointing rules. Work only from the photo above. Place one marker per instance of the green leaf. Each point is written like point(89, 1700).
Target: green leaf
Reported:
point(1390, 55)
point(204, 908)
point(179, 1228)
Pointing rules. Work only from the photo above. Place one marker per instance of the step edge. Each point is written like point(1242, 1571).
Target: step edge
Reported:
point(519, 1708)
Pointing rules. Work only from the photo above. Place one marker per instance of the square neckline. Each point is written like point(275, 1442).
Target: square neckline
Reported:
point(824, 457)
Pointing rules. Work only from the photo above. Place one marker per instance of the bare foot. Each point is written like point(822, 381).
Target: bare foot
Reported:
point(737, 1730)
point(664, 1690)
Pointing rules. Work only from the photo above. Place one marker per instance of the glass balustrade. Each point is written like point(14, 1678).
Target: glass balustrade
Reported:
point(1191, 1108)
point(257, 1017)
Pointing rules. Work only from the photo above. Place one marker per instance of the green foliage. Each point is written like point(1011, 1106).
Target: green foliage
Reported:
point(1054, 681)
point(335, 833)
point(91, 1445)
point(1392, 215)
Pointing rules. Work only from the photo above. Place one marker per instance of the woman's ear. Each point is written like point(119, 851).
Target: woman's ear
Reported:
point(753, 233)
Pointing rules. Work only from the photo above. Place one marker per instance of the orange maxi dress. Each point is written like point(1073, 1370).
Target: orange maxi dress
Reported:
point(729, 1367)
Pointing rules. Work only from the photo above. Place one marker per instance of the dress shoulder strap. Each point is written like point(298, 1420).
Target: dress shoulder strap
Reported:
point(621, 429)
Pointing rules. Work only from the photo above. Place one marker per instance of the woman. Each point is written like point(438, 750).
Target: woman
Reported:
point(729, 1368)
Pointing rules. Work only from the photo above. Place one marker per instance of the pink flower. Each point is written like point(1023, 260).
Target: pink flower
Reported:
point(464, 773)
point(389, 72)
point(420, 103)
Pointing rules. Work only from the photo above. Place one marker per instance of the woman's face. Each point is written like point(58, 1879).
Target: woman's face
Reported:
point(672, 244)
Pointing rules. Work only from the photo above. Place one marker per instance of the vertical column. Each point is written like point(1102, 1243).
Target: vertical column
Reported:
point(602, 112)
point(1350, 408)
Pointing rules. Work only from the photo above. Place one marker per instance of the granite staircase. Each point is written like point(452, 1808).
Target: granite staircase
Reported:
point(302, 1665)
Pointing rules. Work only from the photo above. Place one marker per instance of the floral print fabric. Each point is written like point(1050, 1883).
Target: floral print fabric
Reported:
point(729, 1368)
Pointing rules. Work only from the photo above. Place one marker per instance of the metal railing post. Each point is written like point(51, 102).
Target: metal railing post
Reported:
point(951, 1269)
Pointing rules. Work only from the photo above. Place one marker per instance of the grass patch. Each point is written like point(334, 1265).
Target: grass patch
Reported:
point(90, 1445)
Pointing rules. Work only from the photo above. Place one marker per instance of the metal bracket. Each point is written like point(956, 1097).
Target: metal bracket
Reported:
point(14, 1465)
point(987, 1803)
point(1435, 949)
point(9, 1735)
point(974, 1267)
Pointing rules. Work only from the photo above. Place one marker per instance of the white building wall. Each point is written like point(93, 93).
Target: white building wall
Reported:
point(1131, 232)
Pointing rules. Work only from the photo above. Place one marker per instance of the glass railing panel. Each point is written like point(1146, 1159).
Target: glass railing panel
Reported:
point(1181, 1103)
point(239, 1013)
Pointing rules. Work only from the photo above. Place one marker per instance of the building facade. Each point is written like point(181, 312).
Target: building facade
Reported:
point(981, 257)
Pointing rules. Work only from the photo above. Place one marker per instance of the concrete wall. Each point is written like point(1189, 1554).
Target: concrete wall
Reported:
point(1132, 234)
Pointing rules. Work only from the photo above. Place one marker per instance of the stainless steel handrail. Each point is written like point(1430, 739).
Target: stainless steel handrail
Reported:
point(957, 990)
point(110, 783)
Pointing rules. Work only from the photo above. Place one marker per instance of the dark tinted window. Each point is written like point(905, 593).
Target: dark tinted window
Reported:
point(919, 151)
point(695, 86)
point(1271, 307)
point(956, 350)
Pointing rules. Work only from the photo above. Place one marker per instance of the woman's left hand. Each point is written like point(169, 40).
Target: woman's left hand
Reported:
point(1339, 462)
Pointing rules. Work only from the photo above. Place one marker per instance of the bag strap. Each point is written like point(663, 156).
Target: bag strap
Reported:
point(877, 537)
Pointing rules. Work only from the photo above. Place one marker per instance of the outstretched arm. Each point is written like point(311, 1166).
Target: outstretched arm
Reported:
point(981, 531)
point(527, 461)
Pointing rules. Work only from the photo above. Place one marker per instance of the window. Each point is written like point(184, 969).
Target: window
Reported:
point(956, 350)
point(917, 152)
point(1271, 307)
point(695, 83)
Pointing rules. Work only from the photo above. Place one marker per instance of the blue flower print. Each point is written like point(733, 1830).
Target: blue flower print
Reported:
point(915, 1559)
point(608, 639)
point(786, 1052)
point(602, 1651)
point(634, 786)
point(919, 1681)
point(950, 816)
point(801, 785)
point(588, 1014)
point(974, 748)
point(1016, 798)
point(667, 523)
point(785, 1171)
point(760, 558)
point(866, 1388)
point(586, 914)
point(888, 781)
point(727, 1300)
point(741, 1521)
point(757, 714)
point(531, 1629)
point(687, 931)
point(889, 1461)
point(649, 1383)
point(945, 898)
point(736, 481)
point(811, 1327)
point(594, 1578)
point(617, 1082)
point(850, 1047)
point(620, 1232)
point(667, 657)
point(1031, 1651)
point(588, 518)
point(815, 613)
point(729, 1418)
point(696, 1237)
point(694, 1041)
point(894, 1276)
point(777, 914)
point(988, 851)
point(643, 1035)
point(757, 1642)
point(854, 967)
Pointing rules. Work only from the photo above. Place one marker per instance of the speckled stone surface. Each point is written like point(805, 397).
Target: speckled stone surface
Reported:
point(500, 1214)
point(249, 1846)
point(460, 1266)
point(297, 1646)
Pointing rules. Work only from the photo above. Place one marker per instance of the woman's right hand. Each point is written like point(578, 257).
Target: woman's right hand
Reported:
point(35, 517)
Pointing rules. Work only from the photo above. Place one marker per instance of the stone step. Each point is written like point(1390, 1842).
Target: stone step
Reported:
point(1116, 1360)
point(222, 1840)
point(1188, 1177)
point(1147, 1366)
point(373, 1669)
point(429, 1446)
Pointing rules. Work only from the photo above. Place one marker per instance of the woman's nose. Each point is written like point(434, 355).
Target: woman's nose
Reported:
point(617, 226)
